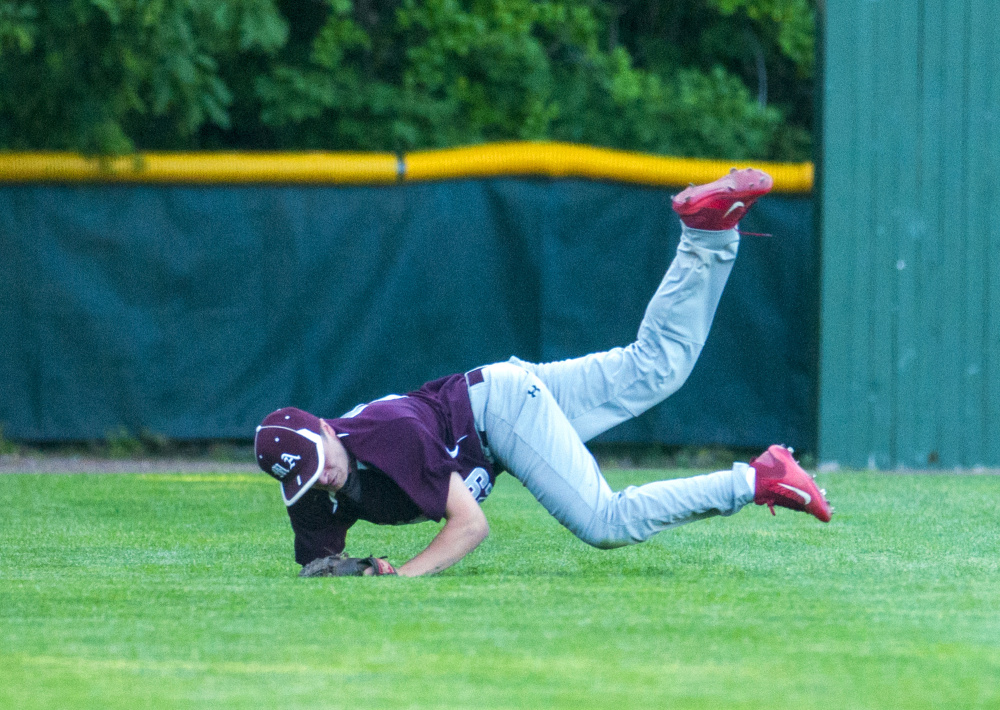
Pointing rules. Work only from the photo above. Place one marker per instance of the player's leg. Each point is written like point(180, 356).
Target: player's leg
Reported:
point(530, 436)
point(601, 390)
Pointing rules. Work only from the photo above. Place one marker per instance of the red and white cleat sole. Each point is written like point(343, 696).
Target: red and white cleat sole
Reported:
point(721, 204)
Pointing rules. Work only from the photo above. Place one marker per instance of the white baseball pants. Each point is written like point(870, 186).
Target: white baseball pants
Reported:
point(536, 417)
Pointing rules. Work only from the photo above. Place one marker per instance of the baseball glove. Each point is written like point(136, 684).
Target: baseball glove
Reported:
point(337, 566)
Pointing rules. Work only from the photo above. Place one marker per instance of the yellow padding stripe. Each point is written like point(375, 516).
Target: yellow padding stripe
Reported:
point(567, 160)
point(201, 168)
point(555, 160)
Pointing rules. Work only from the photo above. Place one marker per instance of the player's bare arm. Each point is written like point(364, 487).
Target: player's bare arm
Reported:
point(465, 527)
point(465, 524)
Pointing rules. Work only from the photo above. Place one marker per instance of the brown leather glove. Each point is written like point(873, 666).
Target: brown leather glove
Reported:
point(338, 566)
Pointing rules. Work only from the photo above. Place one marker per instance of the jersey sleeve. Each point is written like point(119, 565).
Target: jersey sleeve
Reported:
point(319, 531)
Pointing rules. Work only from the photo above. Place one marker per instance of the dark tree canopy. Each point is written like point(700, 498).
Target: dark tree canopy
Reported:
point(711, 78)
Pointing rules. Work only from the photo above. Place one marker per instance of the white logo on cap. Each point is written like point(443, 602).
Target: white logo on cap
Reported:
point(279, 470)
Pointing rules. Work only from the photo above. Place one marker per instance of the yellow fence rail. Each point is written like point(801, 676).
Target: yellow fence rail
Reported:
point(543, 159)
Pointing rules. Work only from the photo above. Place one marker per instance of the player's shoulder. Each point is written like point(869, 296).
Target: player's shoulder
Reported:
point(400, 421)
point(384, 405)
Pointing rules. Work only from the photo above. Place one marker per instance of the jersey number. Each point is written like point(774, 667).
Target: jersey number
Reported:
point(478, 483)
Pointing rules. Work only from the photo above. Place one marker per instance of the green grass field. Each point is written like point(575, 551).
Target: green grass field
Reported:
point(179, 591)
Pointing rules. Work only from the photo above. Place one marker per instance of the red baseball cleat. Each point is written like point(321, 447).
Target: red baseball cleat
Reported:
point(781, 481)
point(720, 205)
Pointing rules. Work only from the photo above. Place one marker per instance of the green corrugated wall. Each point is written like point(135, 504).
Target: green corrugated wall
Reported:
point(910, 230)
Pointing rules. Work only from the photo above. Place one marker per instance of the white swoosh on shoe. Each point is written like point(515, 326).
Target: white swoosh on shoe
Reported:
point(734, 206)
point(805, 496)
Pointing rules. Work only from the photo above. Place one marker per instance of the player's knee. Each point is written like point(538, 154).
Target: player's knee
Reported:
point(603, 536)
point(663, 370)
point(607, 544)
point(604, 543)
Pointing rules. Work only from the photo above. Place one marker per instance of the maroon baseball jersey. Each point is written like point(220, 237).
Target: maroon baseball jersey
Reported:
point(403, 450)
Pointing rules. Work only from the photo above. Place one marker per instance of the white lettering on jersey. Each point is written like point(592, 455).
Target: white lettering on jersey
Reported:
point(290, 459)
point(279, 470)
point(478, 483)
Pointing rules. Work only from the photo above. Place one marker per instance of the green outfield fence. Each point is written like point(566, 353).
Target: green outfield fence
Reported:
point(187, 295)
point(910, 372)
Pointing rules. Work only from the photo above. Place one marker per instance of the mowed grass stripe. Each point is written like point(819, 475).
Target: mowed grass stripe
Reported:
point(179, 591)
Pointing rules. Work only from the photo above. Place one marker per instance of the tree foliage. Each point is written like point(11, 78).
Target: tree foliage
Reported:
point(722, 78)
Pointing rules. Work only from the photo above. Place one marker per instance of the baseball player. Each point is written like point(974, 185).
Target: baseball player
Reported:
point(435, 453)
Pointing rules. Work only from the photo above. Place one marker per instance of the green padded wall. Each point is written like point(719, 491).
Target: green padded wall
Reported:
point(193, 311)
point(910, 317)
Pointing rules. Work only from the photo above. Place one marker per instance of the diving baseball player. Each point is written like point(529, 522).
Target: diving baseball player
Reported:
point(436, 452)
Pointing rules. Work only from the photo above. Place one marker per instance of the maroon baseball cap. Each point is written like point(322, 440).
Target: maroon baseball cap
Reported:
point(289, 446)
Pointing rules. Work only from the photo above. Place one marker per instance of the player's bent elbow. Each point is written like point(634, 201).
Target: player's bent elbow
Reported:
point(478, 528)
point(470, 527)
point(465, 517)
